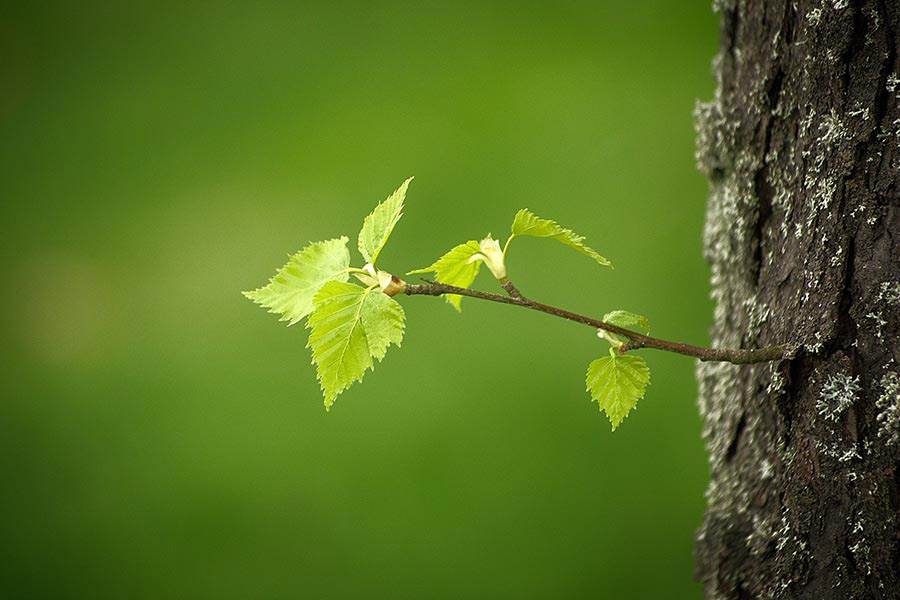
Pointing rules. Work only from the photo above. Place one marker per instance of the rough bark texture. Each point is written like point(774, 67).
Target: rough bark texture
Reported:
point(802, 148)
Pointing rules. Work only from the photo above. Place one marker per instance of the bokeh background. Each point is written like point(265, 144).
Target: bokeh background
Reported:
point(162, 437)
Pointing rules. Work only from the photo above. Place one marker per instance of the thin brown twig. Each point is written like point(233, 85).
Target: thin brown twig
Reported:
point(635, 340)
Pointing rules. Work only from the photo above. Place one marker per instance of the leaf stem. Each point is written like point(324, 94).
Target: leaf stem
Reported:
point(636, 340)
point(507, 285)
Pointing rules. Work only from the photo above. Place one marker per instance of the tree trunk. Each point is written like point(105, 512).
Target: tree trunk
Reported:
point(802, 149)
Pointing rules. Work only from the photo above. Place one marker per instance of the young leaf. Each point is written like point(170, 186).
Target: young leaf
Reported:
point(624, 318)
point(290, 292)
point(456, 267)
point(377, 227)
point(527, 223)
point(617, 383)
point(350, 326)
point(493, 257)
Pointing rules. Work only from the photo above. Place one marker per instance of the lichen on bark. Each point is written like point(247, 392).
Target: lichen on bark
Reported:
point(801, 145)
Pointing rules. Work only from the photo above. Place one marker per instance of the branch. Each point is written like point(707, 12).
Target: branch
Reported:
point(635, 340)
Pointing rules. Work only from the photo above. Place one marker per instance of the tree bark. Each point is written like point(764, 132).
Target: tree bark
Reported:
point(801, 145)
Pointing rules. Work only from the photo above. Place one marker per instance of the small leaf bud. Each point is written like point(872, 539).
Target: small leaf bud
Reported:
point(492, 256)
point(391, 284)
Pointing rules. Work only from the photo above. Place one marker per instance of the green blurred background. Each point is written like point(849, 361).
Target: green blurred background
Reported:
point(161, 436)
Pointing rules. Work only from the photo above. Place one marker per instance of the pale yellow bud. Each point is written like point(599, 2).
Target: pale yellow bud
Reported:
point(492, 256)
point(391, 284)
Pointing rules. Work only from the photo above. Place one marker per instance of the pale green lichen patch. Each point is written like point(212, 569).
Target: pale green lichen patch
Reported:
point(859, 545)
point(777, 383)
point(890, 293)
point(723, 5)
point(829, 133)
point(720, 390)
point(763, 536)
point(757, 314)
point(837, 395)
point(893, 82)
point(836, 452)
point(888, 405)
point(878, 323)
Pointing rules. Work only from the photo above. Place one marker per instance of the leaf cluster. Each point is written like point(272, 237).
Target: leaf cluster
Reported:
point(351, 326)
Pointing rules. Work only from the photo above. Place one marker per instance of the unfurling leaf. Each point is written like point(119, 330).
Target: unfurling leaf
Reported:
point(377, 227)
point(624, 318)
point(291, 291)
point(617, 383)
point(456, 267)
point(350, 326)
point(527, 223)
point(492, 256)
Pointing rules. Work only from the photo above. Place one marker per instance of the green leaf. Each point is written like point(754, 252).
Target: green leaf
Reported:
point(617, 383)
point(377, 227)
point(454, 268)
point(290, 292)
point(527, 223)
point(350, 326)
point(626, 319)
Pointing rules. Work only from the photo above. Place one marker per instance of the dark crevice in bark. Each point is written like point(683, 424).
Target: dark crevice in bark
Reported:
point(857, 41)
point(846, 326)
point(762, 188)
point(881, 101)
point(774, 92)
point(790, 20)
point(798, 372)
point(738, 432)
point(764, 193)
